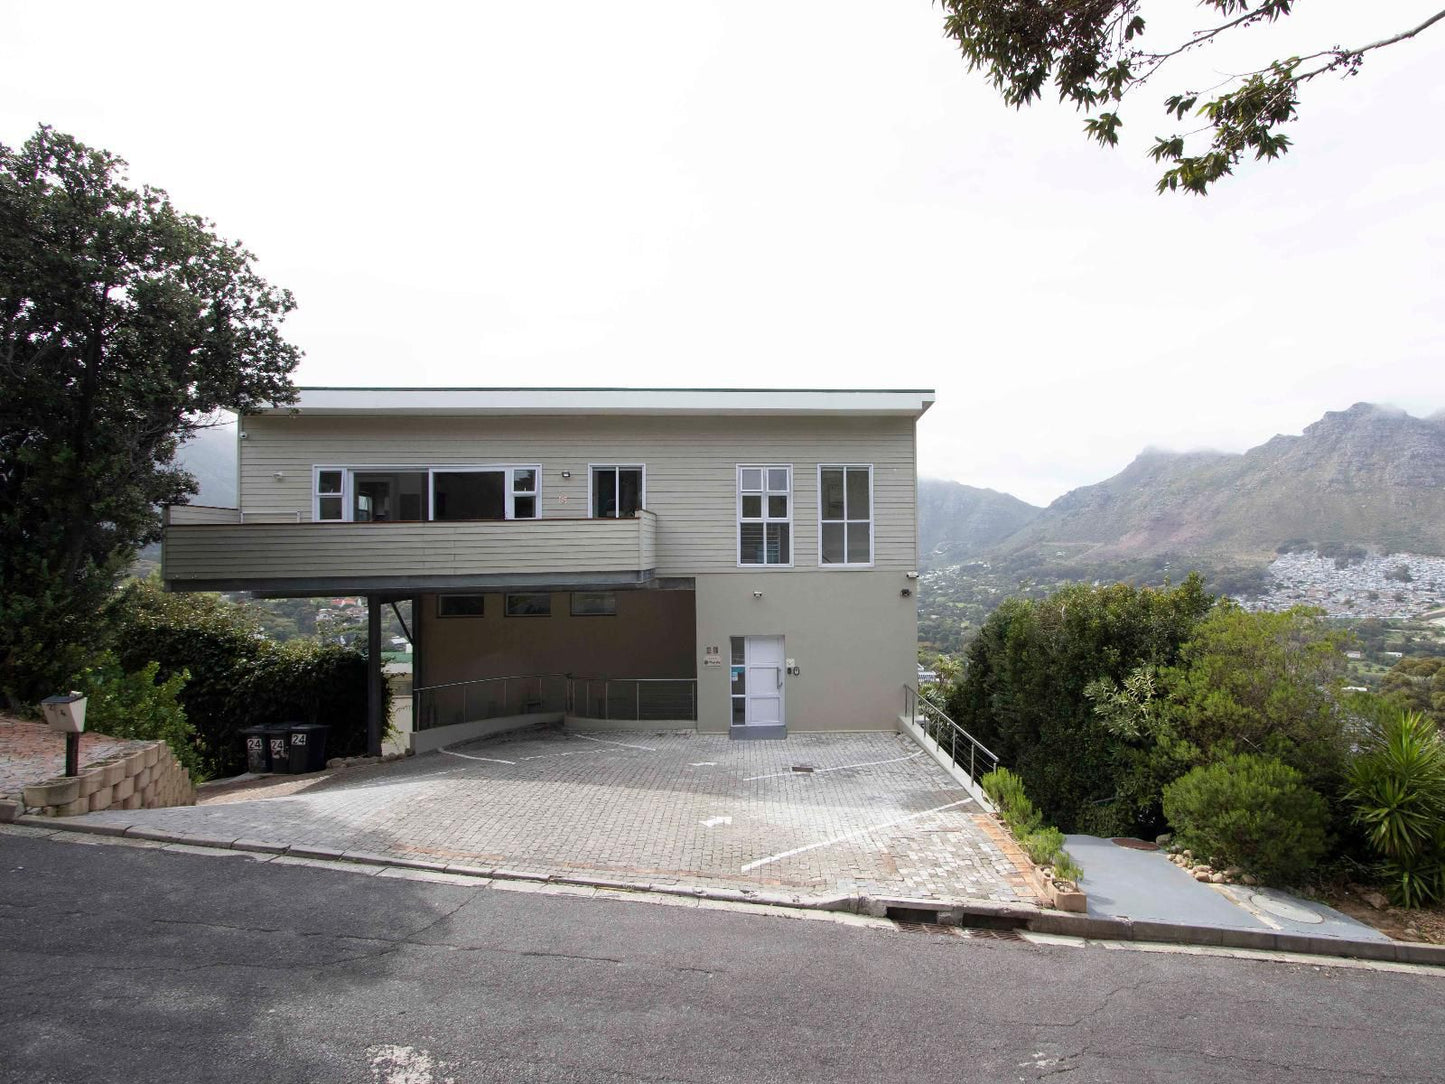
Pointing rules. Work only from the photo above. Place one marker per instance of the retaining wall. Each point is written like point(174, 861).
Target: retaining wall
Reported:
point(147, 776)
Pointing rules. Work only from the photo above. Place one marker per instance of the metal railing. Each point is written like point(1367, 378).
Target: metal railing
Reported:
point(633, 699)
point(489, 698)
point(948, 735)
point(622, 699)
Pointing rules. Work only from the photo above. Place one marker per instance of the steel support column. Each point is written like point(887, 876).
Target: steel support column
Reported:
point(374, 697)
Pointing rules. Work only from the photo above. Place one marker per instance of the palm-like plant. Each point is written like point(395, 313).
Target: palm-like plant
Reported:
point(1397, 786)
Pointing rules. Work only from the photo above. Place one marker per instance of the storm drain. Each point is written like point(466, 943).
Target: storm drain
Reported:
point(803, 769)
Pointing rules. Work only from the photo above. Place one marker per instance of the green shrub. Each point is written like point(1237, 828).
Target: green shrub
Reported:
point(1249, 811)
point(1043, 846)
point(134, 705)
point(1007, 792)
point(1397, 790)
point(1066, 869)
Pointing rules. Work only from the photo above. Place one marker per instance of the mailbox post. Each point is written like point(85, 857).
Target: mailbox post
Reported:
point(66, 715)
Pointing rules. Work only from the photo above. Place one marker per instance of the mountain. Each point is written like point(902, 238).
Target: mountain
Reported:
point(210, 455)
point(1367, 476)
point(956, 522)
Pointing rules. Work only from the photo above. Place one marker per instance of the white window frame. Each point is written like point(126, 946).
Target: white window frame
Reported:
point(316, 494)
point(349, 471)
point(642, 494)
point(872, 517)
point(765, 519)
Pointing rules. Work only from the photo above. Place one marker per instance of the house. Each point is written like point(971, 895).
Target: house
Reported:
point(740, 561)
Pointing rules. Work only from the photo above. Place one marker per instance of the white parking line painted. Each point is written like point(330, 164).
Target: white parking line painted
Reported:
point(469, 756)
point(604, 741)
point(839, 768)
point(850, 835)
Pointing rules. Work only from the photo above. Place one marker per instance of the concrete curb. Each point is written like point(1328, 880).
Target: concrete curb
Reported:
point(968, 913)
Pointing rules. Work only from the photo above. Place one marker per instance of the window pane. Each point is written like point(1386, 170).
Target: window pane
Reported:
point(524, 508)
point(594, 604)
point(752, 479)
point(739, 650)
point(740, 711)
point(538, 604)
point(329, 507)
point(831, 497)
point(858, 495)
point(777, 507)
point(629, 491)
point(604, 493)
point(778, 551)
point(833, 544)
point(858, 543)
point(778, 479)
point(752, 506)
point(460, 605)
point(524, 481)
point(750, 550)
point(328, 481)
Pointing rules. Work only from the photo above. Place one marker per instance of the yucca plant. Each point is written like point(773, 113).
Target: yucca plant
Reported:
point(1397, 788)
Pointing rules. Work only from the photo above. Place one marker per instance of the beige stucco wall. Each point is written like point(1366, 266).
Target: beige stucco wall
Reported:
point(691, 469)
point(852, 634)
point(650, 637)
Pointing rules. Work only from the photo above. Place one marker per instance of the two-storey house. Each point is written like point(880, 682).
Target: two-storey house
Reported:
point(741, 561)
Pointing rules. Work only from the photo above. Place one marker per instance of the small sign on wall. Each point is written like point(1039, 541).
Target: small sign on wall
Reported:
point(712, 656)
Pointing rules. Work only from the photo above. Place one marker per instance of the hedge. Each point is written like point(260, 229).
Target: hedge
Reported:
point(238, 678)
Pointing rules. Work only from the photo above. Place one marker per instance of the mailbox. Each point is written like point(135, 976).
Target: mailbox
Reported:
point(65, 713)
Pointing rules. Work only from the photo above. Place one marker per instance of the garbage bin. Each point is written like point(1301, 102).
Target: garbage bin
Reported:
point(258, 756)
point(308, 747)
point(278, 746)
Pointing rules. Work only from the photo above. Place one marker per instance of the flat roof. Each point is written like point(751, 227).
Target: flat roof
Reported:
point(498, 401)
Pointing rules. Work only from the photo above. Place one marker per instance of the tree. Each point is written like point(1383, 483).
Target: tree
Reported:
point(1024, 694)
point(1093, 52)
point(124, 323)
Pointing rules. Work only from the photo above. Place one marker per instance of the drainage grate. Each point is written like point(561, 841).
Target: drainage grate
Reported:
point(803, 769)
point(913, 915)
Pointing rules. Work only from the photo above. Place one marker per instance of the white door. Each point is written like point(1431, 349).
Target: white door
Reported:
point(763, 657)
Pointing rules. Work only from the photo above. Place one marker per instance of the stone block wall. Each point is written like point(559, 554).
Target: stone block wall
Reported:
point(145, 776)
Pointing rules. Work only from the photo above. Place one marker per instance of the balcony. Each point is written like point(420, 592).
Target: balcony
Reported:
point(213, 549)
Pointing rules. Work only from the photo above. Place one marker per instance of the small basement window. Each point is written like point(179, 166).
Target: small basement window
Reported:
point(594, 604)
point(461, 605)
point(529, 604)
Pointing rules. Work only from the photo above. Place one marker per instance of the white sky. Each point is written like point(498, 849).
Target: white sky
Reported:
point(789, 194)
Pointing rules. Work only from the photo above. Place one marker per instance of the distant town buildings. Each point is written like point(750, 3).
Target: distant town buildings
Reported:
point(1401, 585)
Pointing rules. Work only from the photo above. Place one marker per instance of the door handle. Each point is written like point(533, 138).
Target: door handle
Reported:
point(780, 679)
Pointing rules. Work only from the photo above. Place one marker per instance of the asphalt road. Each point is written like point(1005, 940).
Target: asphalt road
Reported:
point(124, 964)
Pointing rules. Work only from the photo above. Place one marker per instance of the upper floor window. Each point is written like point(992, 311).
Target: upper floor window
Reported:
point(616, 491)
point(330, 495)
point(415, 494)
point(845, 515)
point(765, 515)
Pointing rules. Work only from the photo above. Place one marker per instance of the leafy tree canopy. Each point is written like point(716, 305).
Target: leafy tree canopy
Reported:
point(1094, 53)
point(124, 323)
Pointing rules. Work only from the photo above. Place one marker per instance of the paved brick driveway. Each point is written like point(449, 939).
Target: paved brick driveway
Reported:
point(875, 815)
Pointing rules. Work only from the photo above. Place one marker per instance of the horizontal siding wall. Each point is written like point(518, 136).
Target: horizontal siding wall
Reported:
point(306, 550)
point(691, 478)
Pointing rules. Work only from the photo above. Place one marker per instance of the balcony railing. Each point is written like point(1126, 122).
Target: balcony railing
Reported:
point(621, 699)
point(967, 752)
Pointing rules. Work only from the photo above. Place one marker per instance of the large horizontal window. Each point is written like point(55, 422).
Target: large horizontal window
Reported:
point(765, 515)
point(415, 494)
point(845, 515)
point(529, 604)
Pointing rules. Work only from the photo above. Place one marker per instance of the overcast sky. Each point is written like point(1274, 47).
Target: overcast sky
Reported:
point(780, 194)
